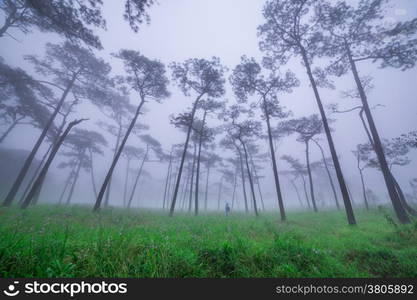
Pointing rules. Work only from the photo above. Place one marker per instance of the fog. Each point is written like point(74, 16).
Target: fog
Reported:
point(184, 29)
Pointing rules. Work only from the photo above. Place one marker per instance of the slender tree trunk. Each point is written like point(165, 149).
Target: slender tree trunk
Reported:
point(184, 188)
point(61, 128)
point(76, 175)
point(257, 182)
point(365, 198)
point(305, 191)
point(197, 179)
point(397, 187)
point(310, 178)
point(35, 174)
point(274, 165)
point(348, 205)
point(234, 187)
point(23, 171)
point(245, 197)
point(296, 191)
point(172, 178)
point(67, 183)
point(395, 199)
point(328, 174)
point(184, 152)
point(250, 178)
point(126, 181)
point(219, 193)
point(93, 181)
point(350, 195)
point(8, 130)
point(167, 179)
point(190, 202)
point(145, 157)
point(42, 175)
point(407, 207)
point(206, 192)
point(109, 185)
point(116, 158)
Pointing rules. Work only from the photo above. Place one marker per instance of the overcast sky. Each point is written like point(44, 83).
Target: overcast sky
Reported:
point(183, 29)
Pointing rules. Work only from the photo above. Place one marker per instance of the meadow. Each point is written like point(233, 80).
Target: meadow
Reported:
point(57, 241)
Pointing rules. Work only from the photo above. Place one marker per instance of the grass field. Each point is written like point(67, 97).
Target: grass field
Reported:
point(51, 241)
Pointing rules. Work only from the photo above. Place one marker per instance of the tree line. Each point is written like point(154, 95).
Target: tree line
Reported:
point(71, 73)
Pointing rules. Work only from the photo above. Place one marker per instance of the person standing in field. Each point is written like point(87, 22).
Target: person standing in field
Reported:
point(227, 209)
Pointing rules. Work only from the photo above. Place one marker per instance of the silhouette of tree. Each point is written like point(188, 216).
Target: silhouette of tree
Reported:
point(153, 145)
point(204, 78)
point(300, 170)
point(306, 128)
point(362, 154)
point(120, 112)
point(66, 17)
point(73, 69)
point(22, 100)
point(356, 34)
point(38, 182)
point(290, 30)
point(247, 79)
point(147, 78)
point(130, 153)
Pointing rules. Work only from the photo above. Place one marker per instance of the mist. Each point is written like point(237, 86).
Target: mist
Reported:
point(226, 29)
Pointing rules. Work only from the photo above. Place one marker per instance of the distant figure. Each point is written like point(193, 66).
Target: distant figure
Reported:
point(227, 209)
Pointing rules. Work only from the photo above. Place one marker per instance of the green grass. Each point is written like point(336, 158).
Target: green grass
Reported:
point(51, 241)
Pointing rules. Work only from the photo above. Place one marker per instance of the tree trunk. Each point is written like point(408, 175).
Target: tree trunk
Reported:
point(219, 193)
point(396, 201)
point(184, 188)
point(310, 178)
point(18, 182)
point(61, 128)
point(35, 174)
point(407, 207)
point(172, 177)
point(234, 187)
point(116, 158)
point(167, 179)
point(190, 202)
point(42, 175)
point(126, 181)
point(93, 181)
point(76, 175)
point(328, 174)
point(145, 157)
point(274, 165)
point(348, 205)
point(257, 182)
point(305, 191)
point(67, 183)
point(397, 187)
point(296, 191)
point(184, 152)
point(206, 192)
point(250, 178)
point(365, 198)
point(197, 179)
point(242, 170)
point(109, 185)
point(350, 195)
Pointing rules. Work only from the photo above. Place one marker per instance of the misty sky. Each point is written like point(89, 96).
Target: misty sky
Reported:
point(183, 29)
